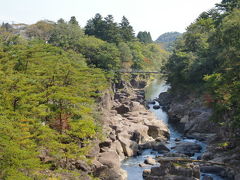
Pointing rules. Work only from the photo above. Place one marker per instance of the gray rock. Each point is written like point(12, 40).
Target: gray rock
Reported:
point(237, 177)
point(130, 148)
point(160, 147)
point(109, 159)
point(213, 170)
point(207, 177)
point(150, 161)
point(157, 129)
point(207, 156)
point(187, 148)
point(107, 173)
point(82, 165)
point(164, 99)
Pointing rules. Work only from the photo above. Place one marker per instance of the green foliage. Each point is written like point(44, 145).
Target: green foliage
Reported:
point(208, 56)
point(99, 53)
point(144, 37)
point(47, 101)
point(125, 55)
point(48, 89)
point(108, 30)
point(126, 30)
point(73, 21)
point(66, 35)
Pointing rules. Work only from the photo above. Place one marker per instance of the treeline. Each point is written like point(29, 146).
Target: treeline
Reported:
point(207, 59)
point(51, 78)
point(104, 43)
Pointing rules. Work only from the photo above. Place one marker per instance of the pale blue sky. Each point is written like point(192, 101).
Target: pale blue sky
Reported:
point(156, 16)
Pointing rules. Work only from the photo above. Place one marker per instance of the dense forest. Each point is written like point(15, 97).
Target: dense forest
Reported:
point(206, 61)
point(52, 75)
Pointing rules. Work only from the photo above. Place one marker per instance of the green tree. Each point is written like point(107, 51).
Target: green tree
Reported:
point(73, 21)
point(126, 30)
point(66, 35)
point(144, 37)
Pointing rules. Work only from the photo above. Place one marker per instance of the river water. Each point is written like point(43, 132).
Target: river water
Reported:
point(131, 165)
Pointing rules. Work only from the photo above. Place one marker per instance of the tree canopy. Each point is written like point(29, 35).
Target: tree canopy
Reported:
point(206, 59)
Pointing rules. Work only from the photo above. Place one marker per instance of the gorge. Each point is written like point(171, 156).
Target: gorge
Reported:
point(139, 147)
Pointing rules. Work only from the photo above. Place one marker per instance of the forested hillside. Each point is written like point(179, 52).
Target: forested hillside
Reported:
point(206, 60)
point(51, 77)
point(168, 39)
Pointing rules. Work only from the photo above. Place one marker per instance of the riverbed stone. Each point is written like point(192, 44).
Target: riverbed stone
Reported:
point(156, 107)
point(214, 170)
point(150, 161)
point(187, 148)
point(157, 129)
point(160, 147)
point(207, 177)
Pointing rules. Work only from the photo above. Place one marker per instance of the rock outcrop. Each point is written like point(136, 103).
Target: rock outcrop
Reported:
point(191, 114)
point(171, 168)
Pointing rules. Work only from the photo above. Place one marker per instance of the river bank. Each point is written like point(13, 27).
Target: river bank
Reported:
point(194, 141)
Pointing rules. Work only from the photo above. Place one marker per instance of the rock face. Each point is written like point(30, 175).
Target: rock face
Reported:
point(173, 169)
point(129, 128)
point(190, 113)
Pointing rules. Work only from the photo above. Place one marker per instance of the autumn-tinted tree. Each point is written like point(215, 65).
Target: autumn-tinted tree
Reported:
point(41, 30)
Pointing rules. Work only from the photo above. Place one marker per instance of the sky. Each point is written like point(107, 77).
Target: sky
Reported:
point(155, 16)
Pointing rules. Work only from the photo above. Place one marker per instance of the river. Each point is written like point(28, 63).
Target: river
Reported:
point(131, 165)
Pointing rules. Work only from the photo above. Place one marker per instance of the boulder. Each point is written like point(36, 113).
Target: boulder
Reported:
point(151, 102)
point(130, 148)
point(82, 165)
point(156, 107)
point(150, 161)
point(164, 98)
point(109, 159)
point(122, 109)
point(157, 129)
point(207, 156)
point(213, 170)
point(117, 147)
point(160, 147)
point(146, 172)
point(187, 148)
point(107, 173)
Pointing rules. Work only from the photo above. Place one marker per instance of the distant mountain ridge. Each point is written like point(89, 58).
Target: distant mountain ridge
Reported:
point(168, 39)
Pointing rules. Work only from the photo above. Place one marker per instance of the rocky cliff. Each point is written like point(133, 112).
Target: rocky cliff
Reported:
point(193, 117)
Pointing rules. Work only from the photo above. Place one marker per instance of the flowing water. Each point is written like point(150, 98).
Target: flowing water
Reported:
point(131, 165)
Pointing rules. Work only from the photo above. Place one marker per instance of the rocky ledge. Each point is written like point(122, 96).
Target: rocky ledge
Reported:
point(173, 168)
